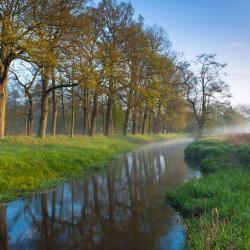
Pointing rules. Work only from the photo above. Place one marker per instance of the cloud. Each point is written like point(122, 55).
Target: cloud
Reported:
point(235, 44)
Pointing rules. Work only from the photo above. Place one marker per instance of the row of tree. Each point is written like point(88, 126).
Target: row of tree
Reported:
point(99, 68)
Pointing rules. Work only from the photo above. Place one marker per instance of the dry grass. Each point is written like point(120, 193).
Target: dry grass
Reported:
point(238, 139)
point(233, 139)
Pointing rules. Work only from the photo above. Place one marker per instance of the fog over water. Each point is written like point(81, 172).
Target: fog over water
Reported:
point(230, 129)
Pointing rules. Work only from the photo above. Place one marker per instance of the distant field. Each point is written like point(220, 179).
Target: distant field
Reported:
point(30, 164)
point(217, 207)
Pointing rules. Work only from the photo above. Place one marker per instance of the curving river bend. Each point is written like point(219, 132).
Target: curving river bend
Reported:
point(120, 208)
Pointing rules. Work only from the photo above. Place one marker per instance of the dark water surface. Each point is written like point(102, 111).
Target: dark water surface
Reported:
point(120, 208)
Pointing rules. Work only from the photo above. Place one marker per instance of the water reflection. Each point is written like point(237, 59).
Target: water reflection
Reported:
point(122, 207)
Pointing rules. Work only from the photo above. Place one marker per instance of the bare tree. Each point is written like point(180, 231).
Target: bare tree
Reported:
point(205, 90)
point(27, 91)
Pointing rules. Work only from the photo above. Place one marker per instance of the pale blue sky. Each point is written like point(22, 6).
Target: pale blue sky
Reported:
point(197, 26)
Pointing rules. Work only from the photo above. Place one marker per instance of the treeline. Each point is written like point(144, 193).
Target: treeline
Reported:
point(75, 67)
point(93, 68)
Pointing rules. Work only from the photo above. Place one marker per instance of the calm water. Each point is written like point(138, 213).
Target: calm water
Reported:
point(122, 207)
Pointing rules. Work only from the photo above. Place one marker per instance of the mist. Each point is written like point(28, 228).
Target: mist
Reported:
point(229, 129)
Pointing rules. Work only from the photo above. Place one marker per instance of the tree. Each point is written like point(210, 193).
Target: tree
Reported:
point(206, 92)
point(89, 72)
point(16, 29)
point(56, 19)
point(30, 77)
point(116, 17)
point(135, 48)
point(244, 110)
point(115, 71)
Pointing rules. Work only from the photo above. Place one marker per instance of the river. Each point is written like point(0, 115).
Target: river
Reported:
point(122, 207)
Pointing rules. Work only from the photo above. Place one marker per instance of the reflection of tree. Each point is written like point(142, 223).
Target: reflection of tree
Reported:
point(45, 222)
point(3, 229)
point(53, 217)
point(61, 204)
point(110, 186)
point(84, 213)
point(129, 184)
point(118, 209)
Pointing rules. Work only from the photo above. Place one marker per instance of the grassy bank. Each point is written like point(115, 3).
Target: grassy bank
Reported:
point(216, 207)
point(29, 164)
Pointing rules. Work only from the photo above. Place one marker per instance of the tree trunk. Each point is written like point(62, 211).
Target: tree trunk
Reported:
point(94, 116)
point(3, 100)
point(201, 125)
point(72, 112)
point(26, 119)
point(30, 114)
point(63, 112)
point(134, 129)
point(44, 103)
point(154, 124)
point(55, 106)
point(163, 128)
point(150, 123)
point(109, 118)
point(134, 125)
point(144, 121)
point(158, 127)
point(125, 126)
point(127, 113)
point(139, 123)
point(86, 113)
point(157, 120)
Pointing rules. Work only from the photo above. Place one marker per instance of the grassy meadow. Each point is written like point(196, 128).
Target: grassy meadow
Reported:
point(29, 164)
point(216, 207)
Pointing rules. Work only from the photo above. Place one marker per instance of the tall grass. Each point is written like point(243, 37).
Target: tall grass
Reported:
point(217, 206)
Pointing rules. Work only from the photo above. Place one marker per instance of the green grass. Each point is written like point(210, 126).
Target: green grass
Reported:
point(216, 207)
point(29, 164)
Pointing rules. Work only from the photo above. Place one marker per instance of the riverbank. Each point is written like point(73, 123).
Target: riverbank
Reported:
point(216, 207)
point(29, 164)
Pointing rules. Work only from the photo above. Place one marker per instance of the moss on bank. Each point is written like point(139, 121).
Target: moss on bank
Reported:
point(29, 164)
point(217, 206)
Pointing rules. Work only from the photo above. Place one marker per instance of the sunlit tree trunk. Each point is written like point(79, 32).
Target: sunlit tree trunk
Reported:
point(6, 57)
point(44, 103)
point(3, 100)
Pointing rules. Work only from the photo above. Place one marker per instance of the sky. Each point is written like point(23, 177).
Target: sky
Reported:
point(207, 26)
